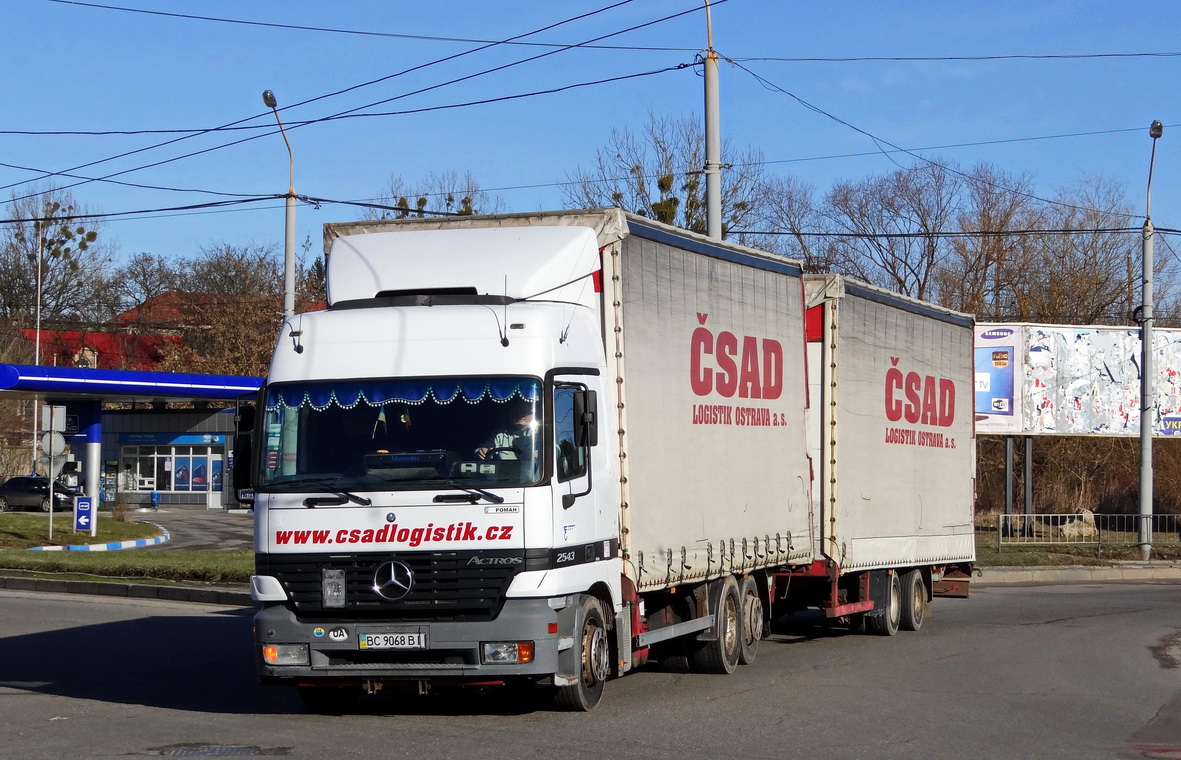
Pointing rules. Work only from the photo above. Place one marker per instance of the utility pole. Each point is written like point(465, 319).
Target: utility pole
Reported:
point(713, 137)
point(1147, 390)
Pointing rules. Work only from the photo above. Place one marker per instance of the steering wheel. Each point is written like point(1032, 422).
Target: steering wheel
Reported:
point(512, 449)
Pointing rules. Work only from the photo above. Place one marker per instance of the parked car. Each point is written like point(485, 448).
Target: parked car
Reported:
point(33, 493)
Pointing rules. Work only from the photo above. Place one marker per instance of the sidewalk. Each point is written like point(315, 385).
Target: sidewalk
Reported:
point(1120, 572)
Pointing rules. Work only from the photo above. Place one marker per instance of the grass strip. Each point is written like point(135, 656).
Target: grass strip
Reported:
point(24, 531)
point(233, 567)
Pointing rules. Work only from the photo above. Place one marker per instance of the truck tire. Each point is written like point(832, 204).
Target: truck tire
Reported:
point(753, 618)
point(886, 624)
point(593, 649)
point(721, 655)
point(329, 700)
point(914, 600)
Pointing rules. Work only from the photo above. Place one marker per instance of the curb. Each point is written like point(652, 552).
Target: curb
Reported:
point(130, 591)
point(1009, 576)
point(109, 547)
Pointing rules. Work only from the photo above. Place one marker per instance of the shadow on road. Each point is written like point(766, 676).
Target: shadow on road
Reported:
point(201, 664)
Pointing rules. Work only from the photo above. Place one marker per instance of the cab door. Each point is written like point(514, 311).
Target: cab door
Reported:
point(575, 513)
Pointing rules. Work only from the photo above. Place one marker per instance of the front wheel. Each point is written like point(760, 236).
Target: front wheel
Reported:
point(46, 504)
point(594, 660)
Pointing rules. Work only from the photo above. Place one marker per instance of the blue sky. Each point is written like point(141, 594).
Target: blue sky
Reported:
point(75, 67)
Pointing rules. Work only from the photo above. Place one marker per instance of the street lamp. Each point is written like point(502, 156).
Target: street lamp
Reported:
point(268, 98)
point(1146, 370)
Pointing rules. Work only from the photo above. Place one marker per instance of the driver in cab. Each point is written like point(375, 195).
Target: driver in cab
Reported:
point(515, 440)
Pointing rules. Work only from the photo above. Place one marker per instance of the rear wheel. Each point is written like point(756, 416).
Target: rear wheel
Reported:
point(886, 624)
point(914, 601)
point(721, 654)
point(594, 659)
point(753, 619)
point(3, 504)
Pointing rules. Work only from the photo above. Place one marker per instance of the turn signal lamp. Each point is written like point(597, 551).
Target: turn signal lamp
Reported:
point(285, 654)
point(508, 652)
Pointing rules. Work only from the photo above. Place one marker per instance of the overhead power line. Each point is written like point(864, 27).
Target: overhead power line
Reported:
point(951, 233)
point(295, 105)
point(111, 214)
point(766, 83)
point(369, 33)
point(305, 122)
point(910, 58)
point(291, 125)
point(370, 105)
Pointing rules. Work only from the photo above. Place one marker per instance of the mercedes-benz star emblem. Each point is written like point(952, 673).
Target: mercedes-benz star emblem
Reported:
point(392, 581)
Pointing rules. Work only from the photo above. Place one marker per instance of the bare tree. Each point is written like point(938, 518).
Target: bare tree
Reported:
point(795, 224)
point(229, 312)
point(445, 191)
point(76, 280)
point(146, 276)
point(892, 223)
point(659, 174)
point(1079, 273)
point(973, 275)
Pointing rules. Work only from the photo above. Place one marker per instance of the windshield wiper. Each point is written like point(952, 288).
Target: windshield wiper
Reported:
point(472, 492)
point(321, 484)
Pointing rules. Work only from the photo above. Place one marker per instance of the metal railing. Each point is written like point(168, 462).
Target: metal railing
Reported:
point(1085, 529)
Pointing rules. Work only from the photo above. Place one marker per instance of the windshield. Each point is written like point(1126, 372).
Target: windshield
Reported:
point(401, 434)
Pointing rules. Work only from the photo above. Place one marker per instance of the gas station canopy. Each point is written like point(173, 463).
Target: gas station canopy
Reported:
point(22, 381)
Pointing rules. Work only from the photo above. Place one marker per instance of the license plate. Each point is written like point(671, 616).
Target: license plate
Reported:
point(391, 641)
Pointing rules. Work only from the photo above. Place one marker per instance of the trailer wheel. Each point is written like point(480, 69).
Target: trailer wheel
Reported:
point(886, 624)
point(914, 600)
point(594, 657)
point(329, 700)
point(721, 654)
point(753, 619)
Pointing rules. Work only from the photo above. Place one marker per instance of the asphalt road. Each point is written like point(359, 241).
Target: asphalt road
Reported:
point(200, 528)
point(1087, 671)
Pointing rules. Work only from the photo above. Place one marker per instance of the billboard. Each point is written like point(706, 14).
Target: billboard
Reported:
point(1064, 380)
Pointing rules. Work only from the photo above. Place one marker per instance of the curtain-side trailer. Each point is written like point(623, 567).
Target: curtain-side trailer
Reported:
point(893, 444)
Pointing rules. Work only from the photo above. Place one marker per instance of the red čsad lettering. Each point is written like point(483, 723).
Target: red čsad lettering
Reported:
point(753, 371)
point(919, 399)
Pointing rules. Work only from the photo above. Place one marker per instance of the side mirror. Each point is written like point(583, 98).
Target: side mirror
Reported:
point(244, 422)
point(586, 424)
point(244, 452)
point(243, 462)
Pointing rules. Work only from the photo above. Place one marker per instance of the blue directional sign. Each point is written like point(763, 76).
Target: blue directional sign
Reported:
point(85, 520)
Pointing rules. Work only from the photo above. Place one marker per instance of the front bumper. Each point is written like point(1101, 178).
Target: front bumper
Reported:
point(453, 650)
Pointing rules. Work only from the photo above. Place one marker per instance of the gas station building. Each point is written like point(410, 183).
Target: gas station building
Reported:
point(183, 456)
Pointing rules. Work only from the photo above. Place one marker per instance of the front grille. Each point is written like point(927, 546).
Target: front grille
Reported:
point(447, 585)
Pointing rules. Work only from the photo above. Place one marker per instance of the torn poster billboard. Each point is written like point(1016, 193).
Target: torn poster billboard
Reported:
point(1063, 380)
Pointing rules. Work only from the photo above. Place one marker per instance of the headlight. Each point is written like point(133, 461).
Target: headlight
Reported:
point(285, 654)
point(508, 652)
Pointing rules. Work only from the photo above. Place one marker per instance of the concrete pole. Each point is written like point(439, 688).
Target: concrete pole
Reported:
point(1147, 373)
point(289, 257)
point(713, 139)
point(268, 98)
